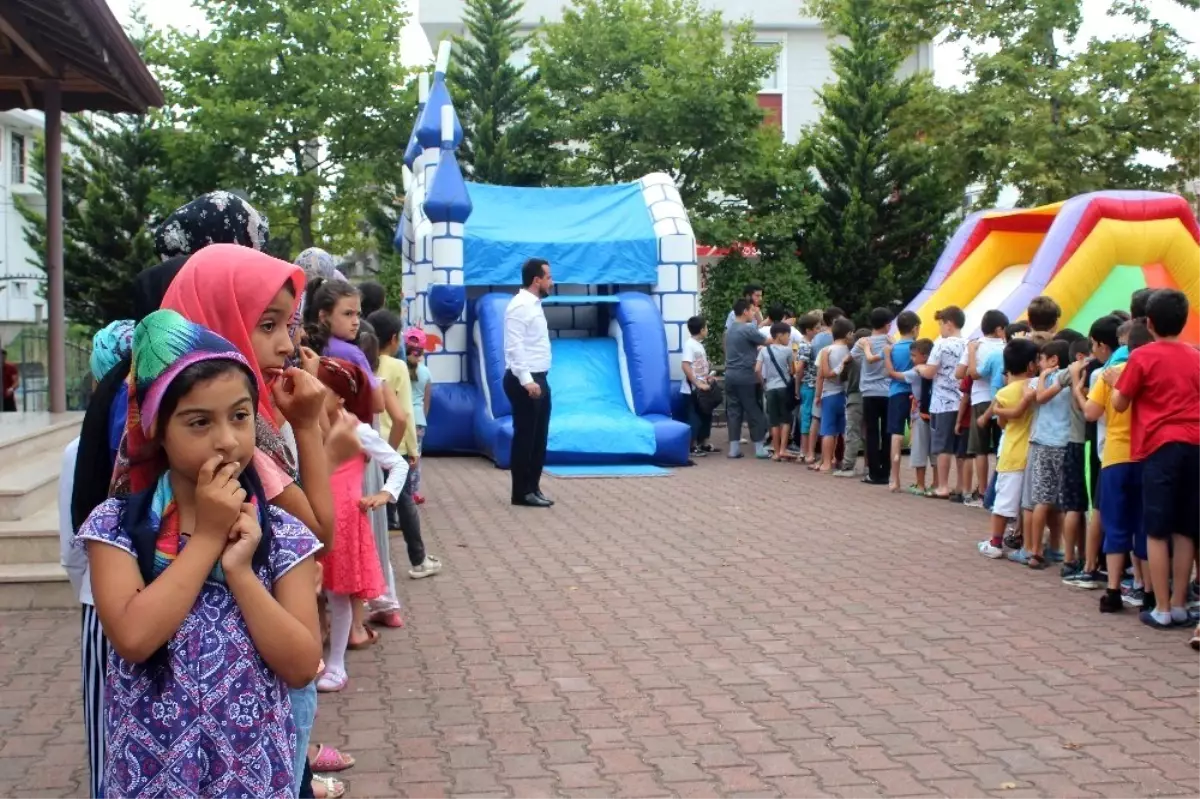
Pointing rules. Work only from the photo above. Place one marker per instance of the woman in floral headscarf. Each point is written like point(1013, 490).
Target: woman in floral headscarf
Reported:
point(219, 217)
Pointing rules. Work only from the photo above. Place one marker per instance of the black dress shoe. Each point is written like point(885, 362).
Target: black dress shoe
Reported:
point(532, 501)
point(543, 497)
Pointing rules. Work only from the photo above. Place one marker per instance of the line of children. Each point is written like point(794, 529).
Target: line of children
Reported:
point(1144, 397)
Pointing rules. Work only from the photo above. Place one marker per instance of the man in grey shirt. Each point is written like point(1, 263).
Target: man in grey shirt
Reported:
point(742, 340)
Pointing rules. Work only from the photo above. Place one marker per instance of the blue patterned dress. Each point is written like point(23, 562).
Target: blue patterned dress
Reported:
point(216, 721)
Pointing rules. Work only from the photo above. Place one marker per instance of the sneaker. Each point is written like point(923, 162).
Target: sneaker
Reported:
point(419, 499)
point(707, 448)
point(1147, 618)
point(844, 473)
point(1054, 555)
point(1086, 580)
point(974, 501)
point(428, 568)
point(1193, 596)
point(1111, 602)
point(1019, 556)
point(1133, 598)
point(987, 549)
point(698, 453)
point(1070, 569)
point(1012, 538)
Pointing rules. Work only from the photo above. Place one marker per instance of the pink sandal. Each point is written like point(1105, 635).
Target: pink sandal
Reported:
point(387, 618)
point(330, 760)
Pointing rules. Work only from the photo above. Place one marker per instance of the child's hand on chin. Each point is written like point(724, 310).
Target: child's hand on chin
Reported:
point(219, 498)
point(300, 397)
point(243, 540)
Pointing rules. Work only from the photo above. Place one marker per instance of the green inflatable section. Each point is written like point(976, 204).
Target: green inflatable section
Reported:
point(1113, 294)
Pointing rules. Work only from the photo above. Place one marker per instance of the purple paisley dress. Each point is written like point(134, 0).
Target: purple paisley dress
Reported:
point(216, 721)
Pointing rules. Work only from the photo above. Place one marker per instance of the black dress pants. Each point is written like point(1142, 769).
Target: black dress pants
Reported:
point(531, 430)
point(879, 459)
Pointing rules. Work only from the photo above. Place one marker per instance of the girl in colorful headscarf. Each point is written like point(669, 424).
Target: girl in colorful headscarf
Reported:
point(204, 589)
point(352, 571)
point(250, 298)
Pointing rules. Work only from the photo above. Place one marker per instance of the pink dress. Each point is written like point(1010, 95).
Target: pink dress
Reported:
point(352, 565)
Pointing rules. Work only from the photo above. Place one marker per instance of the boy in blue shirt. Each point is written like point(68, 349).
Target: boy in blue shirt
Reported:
point(908, 325)
point(982, 361)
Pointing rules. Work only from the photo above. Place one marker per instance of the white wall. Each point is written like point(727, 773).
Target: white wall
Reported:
point(20, 282)
point(804, 58)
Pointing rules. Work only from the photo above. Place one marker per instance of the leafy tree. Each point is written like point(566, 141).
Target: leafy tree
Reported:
point(639, 86)
point(300, 104)
point(111, 199)
point(885, 200)
point(1054, 116)
point(502, 144)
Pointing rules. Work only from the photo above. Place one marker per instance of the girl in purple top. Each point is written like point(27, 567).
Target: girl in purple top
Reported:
point(205, 591)
point(332, 316)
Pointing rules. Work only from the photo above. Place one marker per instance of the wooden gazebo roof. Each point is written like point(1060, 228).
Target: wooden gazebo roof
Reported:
point(79, 45)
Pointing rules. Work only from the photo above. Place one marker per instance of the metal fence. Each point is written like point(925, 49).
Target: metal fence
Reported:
point(29, 351)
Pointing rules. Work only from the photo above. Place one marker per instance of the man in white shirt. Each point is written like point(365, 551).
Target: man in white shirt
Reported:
point(527, 361)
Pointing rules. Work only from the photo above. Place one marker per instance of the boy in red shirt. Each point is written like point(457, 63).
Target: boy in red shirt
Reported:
point(1161, 383)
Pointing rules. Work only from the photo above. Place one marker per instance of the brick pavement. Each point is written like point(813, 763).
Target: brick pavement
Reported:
point(685, 636)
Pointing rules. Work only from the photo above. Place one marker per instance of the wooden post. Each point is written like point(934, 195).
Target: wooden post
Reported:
point(57, 356)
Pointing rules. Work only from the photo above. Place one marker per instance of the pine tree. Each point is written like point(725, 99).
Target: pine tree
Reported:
point(111, 184)
point(492, 97)
point(886, 198)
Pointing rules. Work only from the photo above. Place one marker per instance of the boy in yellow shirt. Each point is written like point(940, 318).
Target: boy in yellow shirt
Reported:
point(1011, 408)
point(1120, 494)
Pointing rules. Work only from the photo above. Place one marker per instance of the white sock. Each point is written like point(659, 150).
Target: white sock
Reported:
point(1179, 615)
point(735, 448)
point(760, 448)
point(341, 618)
point(1162, 617)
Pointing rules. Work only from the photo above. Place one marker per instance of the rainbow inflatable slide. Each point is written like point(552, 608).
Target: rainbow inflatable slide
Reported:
point(1089, 253)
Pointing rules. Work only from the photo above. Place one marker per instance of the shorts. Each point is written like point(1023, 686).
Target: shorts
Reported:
point(778, 412)
point(918, 444)
point(1093, 466)
point(942, 440)
point(1074, 498)
point(983, 441)
point(833, 415)
point(961, 448)
point(1008, 494)
point(898, 412)
point(1170, 500)
point(1027, 485)
point(1047, 465)
point(806, 408)
point(1121, 510)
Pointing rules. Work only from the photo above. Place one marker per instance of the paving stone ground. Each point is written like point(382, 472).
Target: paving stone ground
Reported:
point(739, 628)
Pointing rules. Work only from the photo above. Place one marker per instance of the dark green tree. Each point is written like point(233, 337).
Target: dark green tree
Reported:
point(885, 200)
point(639, 86)
point(501, 143)
point(302, 105)
point(111, 199)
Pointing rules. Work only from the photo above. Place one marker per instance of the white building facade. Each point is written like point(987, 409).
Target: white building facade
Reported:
point(789, 93)
point(21, 282)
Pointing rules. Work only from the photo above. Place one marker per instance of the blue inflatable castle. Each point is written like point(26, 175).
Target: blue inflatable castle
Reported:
point(623, 259)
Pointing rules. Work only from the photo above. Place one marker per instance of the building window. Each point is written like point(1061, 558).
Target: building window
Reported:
point(772, 81)
point(20, 290)
point(17, 154)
